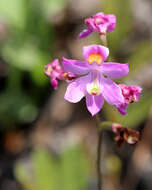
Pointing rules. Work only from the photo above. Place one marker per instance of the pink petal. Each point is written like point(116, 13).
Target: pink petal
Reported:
point(77, 89)
point(84, 34)
point(122, 108)
point(94, 103)
point(102, 28)
point(105, 22)
point(115, 70)
point(112, 21)
point(136, 90)
point(74, 93)
point(54, 83)
point(91, 24)
point(74, 66)
point(111, 91)
point(111, 27)
point(87, 50)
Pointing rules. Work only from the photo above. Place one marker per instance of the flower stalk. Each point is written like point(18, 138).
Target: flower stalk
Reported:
point(103, 39)
point(99, 149)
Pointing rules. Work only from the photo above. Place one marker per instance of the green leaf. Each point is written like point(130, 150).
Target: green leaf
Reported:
point(75, 169)
point(25, 57)
point(22, 174)
point(45, 171)
point(51, 7)
point(13, 11)
point(70, 171)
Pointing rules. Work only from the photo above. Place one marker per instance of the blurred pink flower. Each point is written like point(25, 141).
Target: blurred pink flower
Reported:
point(93, 78)
point(55, 72)
point(100, 23)
point(131, 94)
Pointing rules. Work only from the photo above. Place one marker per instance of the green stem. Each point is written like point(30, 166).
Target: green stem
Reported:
point(103, 38)
point(99, 150)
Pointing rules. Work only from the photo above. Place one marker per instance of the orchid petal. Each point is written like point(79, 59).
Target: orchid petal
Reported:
point(111, 27)
point(84, 34)
point(74, 66)
point(122, 108)
point(77, 89)
point(54, 83)
point(103, 51)
point(91, 24)
point(74, 93)
point(111, 92)
point(112, 20)
point(102, 28)
point(94, 103)
point(94, 87)
point(115, 70)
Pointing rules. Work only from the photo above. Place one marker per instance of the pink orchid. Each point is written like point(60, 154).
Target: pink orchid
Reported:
point(131, 94)
point(54, 71)
point(100, 23)
point(93, 79)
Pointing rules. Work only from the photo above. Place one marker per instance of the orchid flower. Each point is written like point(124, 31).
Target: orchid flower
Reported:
point(93, 79)
point(56, 72)
point(100, 23)
point(131, 94)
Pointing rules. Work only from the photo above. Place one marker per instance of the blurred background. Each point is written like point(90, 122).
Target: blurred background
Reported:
point(47, 143)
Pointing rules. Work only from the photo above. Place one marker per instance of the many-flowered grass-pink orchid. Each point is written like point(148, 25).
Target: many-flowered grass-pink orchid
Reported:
point(100, 23)
point(93, 78)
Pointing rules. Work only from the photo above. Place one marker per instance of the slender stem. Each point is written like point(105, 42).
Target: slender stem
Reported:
point(99, 149)
point(103, 38)
point(99, 161)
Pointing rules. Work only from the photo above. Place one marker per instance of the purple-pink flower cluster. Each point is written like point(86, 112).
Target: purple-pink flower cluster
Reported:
point(100, 23)
point(92, 77)
point(131, 94)
point(56, 72)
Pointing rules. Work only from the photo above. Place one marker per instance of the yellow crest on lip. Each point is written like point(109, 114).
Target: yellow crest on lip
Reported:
point(95, 58)
point(94, 88)
point(95, 91)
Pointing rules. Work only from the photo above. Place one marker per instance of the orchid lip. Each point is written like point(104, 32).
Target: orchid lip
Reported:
point(95, 58)
point(94, 88)
point(95, 91)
